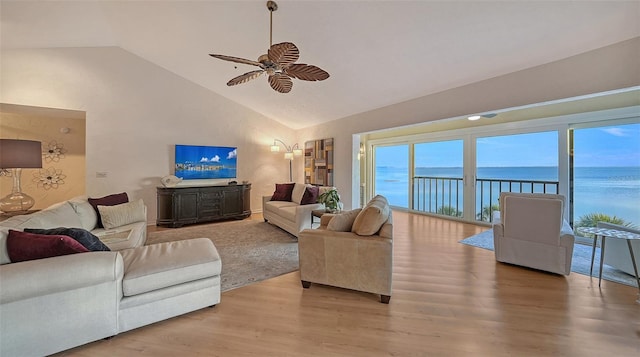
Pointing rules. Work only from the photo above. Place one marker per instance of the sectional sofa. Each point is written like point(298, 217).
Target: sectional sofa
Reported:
point(53, 304)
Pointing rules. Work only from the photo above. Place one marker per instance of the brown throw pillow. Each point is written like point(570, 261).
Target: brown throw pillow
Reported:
point(23, 246)
point(310, 195)
point(111, 200)
point(344, 221)
point(283, 192)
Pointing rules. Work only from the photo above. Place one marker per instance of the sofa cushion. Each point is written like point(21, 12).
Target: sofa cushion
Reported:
point(297, 193)
point(310, 196)
point(82, 236)
point(283, 192)
point(162, 265)
point(288, 212)
point(344, 221)
point(122, 214)
point(88, 216)
point(110, 200)
point(372, 217)
point(23, 246)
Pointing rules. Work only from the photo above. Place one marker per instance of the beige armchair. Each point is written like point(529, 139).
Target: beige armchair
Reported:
point(358, 256)
point(530, 230)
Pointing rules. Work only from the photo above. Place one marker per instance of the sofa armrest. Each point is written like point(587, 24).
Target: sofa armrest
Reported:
point(40, 277)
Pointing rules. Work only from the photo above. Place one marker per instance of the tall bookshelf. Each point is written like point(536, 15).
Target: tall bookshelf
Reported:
point(318, 162)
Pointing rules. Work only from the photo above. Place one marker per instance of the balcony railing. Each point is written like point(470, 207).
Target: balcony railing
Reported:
point(492, 188)
point(441, 195)
point(444, 195)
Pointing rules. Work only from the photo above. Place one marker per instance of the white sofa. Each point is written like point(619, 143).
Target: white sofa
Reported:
point(291, 215)
point(53, 304)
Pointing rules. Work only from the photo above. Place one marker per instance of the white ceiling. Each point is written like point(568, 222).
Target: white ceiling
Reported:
point(377, 52)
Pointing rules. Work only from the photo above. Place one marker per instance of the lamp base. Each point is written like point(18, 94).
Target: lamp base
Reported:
point(16, 202)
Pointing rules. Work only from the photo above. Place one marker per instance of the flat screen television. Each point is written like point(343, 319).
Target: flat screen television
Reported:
point(194, 162)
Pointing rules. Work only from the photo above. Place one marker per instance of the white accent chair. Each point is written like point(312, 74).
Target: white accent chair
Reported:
point(616, 253)
point(530, 231)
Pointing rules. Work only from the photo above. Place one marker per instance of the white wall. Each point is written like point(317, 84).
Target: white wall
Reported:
point(135, 113)
point(604, 69)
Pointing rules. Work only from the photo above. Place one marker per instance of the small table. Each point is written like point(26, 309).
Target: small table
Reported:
point(616, 234)
point(317, 213)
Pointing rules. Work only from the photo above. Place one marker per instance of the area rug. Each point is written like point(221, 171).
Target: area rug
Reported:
point(580, 263)
point(250, 250)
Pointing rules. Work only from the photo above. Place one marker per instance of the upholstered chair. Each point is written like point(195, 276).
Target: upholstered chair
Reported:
point(530, 230)
point(352, 250)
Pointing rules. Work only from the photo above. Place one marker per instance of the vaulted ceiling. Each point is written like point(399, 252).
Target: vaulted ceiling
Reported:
point(377, 52)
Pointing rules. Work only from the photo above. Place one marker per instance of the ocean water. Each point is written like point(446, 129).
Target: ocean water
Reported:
point(614, 191)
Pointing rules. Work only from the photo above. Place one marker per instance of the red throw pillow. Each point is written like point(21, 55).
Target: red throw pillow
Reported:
point(23, 246)
point(111, 200)
point(310, 195)
point(283, 192)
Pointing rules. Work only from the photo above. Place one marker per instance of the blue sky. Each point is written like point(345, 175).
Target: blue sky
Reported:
point(603, 146)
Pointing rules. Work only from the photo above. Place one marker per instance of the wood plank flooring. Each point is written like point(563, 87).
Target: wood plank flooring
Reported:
point(449, 299)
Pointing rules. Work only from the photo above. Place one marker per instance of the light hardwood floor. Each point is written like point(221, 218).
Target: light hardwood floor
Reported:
point(448, 299)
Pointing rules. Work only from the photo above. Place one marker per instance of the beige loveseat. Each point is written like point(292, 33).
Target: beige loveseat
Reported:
point(291, 215)
point(352, 250)
point(53, 304)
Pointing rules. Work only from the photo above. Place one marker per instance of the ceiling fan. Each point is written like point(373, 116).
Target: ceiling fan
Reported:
point(278, 63)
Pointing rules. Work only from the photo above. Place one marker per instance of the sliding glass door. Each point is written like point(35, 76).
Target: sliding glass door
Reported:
point(514, 163)
point(606, 175)
point(392, 174)
point(438, 185)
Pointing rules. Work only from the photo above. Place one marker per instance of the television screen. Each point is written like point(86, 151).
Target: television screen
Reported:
point(205, 162)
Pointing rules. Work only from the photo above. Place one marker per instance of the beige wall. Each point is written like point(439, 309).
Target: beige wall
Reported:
point(136, 112)
point(608, 68)
point(44, 125)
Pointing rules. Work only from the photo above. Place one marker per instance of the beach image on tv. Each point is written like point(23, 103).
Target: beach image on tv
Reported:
point(205, 162)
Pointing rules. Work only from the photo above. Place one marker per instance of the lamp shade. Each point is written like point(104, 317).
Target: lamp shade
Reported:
point(20, 154)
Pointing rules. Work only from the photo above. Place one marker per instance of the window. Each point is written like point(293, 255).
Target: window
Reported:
point(606, 175)
point(514, 163)
point(392, 174)
point(438, 182)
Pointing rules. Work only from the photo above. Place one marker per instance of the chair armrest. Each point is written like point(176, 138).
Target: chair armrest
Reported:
point(40, 277)
point(324, 220)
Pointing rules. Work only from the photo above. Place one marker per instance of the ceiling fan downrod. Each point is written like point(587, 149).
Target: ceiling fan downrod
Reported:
point(272, 6)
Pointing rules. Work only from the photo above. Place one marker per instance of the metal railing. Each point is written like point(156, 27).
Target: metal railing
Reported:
point(431, 193)
point(444, 195)
point(495, 186)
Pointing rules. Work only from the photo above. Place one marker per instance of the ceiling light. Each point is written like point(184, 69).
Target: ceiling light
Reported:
point(474, 117)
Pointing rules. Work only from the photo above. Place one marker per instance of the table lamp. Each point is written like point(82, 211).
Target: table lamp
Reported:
point(17, 155)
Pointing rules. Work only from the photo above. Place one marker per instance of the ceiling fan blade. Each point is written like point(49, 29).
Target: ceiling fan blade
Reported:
point(245, 77)
point(281, 82)
point(306, 72)
point(237, 60)
point(283, 54)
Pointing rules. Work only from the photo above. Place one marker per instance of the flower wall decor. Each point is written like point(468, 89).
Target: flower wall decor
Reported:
point(54, 152)
point(49, 178)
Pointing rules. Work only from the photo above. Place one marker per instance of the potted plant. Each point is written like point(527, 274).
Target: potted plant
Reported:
point(330, 199)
